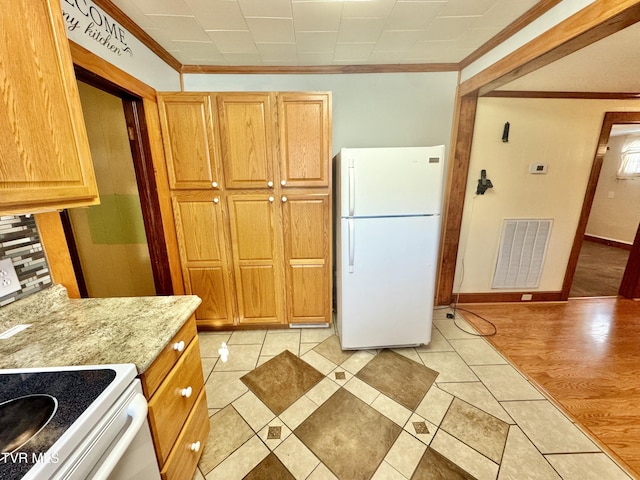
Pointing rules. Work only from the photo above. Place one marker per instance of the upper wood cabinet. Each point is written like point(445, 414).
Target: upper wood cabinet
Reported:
point(45, 161)
point(189, 141)
point(246, 124)
point(304, 121)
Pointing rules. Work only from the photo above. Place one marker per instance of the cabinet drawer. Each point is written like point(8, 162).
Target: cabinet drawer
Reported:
point(156, 373)
point(184, 457)
point(170, 405)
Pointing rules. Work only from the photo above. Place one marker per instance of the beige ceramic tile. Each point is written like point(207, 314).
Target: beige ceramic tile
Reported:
point(223, 388)
point(315, 335)
point(247, 337)
point(416, 425)
point(476, 351)
point(405, 454)
point(449, 365)
point(209, 343)
point(213, 411)
point(241, 357)
point(434, 405)
point(207, 366)
point(465, 457)
point(477, 394)
point(587, 466)
point(410, 353)
point(522, 459)
point(391, 409)
point(298, 412)
point(319, 362)
point(387, 472)
point(506, 383)
point(437, 344)
point(254, 412)
point(357, 361)
point(228, 432)
point(305, 347)
point(197, 475)
point(321, 472)
point(296, 457)
point(264, 358)
point(240, 462)
point(274, 433)
point(361, 390)
point(322, 391)
point(549, 430)
point(450, 331)
point(275, 343)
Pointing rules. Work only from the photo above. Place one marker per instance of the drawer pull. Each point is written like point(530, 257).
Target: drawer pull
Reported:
point(178, 346)
point(186, 392)
point(195, 447)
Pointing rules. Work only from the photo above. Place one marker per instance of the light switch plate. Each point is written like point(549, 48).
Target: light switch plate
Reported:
point(9, 282)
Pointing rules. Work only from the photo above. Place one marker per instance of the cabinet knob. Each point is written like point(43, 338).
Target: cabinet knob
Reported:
point(269, 184)
point(271, 199)
point(284, 199)
point(216, 200)
point(186, 392)
point(195, 447)
point(283, 183)
point(178, 346)
point(214, 184)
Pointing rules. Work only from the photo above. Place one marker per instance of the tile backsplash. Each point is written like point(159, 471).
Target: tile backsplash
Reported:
point(20, 241)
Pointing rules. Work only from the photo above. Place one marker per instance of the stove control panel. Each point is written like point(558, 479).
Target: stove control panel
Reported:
point(9, 282)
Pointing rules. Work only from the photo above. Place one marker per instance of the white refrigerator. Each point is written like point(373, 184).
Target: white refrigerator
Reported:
point(388, 206)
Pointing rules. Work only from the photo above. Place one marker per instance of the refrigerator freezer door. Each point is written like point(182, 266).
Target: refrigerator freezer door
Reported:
point(386, 281)
point(391, 181)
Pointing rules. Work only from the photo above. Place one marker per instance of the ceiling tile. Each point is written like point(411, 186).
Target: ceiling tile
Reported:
point(218, 14)
point(271, 30)
point(135, 14)
point(180, 27)
point(413, 15)
point(315, 58)
point(428, 49)
point(264, 8)
point(242, 58)
point(382, 57)
point(357, 52)
point(277, 52)
point(315, 42)
point(227, 41)
point(360, 30)
point(476, 37)
point(503, 13)
point(455, 8)
point(317, 16)
point(394, 40)
point(198, 50)
point(372, 8)
point(448, 28)
point(160, 7)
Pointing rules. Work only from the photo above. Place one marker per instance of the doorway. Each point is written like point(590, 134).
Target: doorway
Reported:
point(117, 247)
point(605, 257)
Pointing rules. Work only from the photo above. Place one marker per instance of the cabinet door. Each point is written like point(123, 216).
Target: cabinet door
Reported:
point(246, 139)
point(307, 247)
point(257, 259)
point(204, 256)
point(305, 144)
point(187, 130)
point(44, 151)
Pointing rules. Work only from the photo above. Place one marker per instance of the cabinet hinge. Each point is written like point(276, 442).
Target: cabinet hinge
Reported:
point(132, 135)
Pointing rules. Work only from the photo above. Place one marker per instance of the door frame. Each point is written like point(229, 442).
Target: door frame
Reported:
point(630, 285)
point(144, 170)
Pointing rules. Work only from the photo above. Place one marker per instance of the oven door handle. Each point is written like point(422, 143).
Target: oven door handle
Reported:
point(137, 410)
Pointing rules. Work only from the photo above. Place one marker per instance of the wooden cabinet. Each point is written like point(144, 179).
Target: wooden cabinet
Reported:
point(174, 388)
point(190, 145)
point(258, 251)
point(46, 162)
point(200, 229)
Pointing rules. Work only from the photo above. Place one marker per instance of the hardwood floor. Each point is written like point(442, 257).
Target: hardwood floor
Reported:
point(599, 271)
point(586, 354)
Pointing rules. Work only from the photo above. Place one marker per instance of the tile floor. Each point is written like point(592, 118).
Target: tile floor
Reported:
point(289, 404)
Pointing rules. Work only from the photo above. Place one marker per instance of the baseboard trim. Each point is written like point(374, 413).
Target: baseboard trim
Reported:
point(606, 241)
point(504, 297)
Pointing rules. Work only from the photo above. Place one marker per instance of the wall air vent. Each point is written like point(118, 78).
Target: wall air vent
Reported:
point(523, 246)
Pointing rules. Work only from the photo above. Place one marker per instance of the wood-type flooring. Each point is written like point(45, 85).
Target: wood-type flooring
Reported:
point(586, 354)
point(599, 271)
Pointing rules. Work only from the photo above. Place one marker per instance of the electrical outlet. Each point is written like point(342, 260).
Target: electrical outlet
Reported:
point(9, 282)
point(526, 297)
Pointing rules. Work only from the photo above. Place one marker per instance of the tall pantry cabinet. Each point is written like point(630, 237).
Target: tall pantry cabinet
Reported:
point(250, 181)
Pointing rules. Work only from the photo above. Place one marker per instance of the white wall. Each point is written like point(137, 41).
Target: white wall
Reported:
point(90, 27)
point(561, 133)
point(369, 110)
point(615, 213)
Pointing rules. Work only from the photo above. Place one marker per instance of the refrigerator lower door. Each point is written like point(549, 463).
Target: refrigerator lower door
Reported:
point(386, 281)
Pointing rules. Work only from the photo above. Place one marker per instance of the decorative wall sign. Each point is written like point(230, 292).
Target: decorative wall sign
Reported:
point(83, 17)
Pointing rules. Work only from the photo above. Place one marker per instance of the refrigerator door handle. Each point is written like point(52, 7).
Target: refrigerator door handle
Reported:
point(352, 244)
point(352, 187)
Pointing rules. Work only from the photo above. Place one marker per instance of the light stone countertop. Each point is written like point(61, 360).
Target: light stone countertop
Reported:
point(92, 331)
